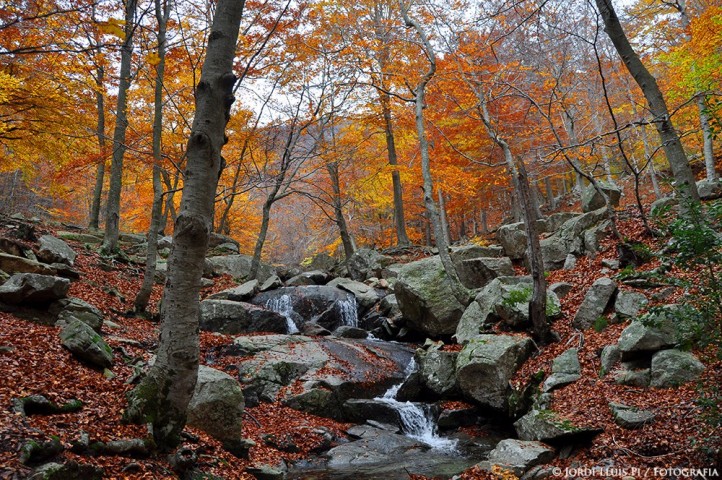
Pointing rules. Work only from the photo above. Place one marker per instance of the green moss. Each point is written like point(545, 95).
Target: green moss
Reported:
point(517, 295)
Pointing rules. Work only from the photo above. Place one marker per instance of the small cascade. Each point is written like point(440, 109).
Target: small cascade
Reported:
point(417, 419)
point(349, 311)
point(284, 306)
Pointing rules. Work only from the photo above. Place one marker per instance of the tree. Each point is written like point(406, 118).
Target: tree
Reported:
point(684, 178)
point(163, 395)
point(112, 218)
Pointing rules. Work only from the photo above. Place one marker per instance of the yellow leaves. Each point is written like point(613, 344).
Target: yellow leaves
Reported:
point(152, 59)
point(113, 26)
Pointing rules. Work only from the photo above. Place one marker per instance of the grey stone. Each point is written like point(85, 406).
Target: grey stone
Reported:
point(611, 263)
point(565, 370)
point(561, 289)
point(478, 272)
point(570, 262)
point(657, 332)
point(672, 368)
point(33, 289)
point(595, 302)
point(512, 238)
point(467, 252)
point(426, 298)
point(69, 470)
point(346, 331)
point(266, 472)
point(610, 357)
point(238, 266)
point(389, 306)
point(385, 448)
point(242, 292)
point(270, 283)
point(80, 237)
point(366, 263)
point(437, 371)
point(554, 253)
point(54, 250)
point(549, 426)
point(322, 261)
point(229, 317)
point(632, 378)
point(630, 417)
point(571, 232)
point(14, 264)
point(86, 344)
point(629, 303)
point(519, 455)
point(593, 200)
point(83, 311)
point(217, 405)
point(709, 189)
point(366, 296)
point(313, 277)
point(556, 220)
point(593, 236)
point(485, 366)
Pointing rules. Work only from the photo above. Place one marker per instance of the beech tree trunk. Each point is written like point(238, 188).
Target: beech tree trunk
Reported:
point(162, 13)
point(683, 176)
point(162, 396)
point(112, 217)
point(100, 133)
point(349, 246)
point(402, 238)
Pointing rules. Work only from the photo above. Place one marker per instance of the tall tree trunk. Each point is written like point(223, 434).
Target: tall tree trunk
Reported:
point(349, 247)
point(444, 218)
point(162, 12)
point(684, 178)
point(162, 396)
point(551, 199)
point(100, 133)
point(112, 217)
point(402, 237)
point(460, 292)
point(261, 239)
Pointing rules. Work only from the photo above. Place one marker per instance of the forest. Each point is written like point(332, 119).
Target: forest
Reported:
point(387, 239)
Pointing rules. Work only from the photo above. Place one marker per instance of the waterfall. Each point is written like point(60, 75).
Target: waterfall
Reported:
point(349, 311)
point(417, 419)
point(284, 306)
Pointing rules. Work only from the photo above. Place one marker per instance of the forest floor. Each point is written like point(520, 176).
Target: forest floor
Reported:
point(32, 361)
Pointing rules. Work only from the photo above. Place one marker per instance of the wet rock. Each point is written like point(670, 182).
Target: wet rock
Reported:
point(229, 317)
point(437, 371)
point(346, 331)
point(519, 456)
point(241, 293)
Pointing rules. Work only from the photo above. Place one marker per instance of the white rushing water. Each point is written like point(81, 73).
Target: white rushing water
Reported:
point(416, 418)
point(284, 306)
point(349, 311)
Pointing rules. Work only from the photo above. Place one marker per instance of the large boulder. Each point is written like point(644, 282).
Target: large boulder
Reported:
point(656, 332)
point(467, 252)
point(325, 371)
point(86, 344)
point(238, 266)
point(33, 289)
point(672, 368)
point(593, 200)
point(239, 293)
point(629, 303)
point(512, 238)
point(366, 295)
point(323, 305)
point(485, 366)
point(437, 371)
point(519, 456)
point(217, 406)
point(565, 370)
point(426, 298)
point(55, 250)
point(477, 272)
point(549, 426)
point(554, 252)
point(506, 300)
point(232, 318)
point(595, 302)
point(572, 231)
point(14, 264)
point(366, 263)
point(82, 310)
point(709, 189)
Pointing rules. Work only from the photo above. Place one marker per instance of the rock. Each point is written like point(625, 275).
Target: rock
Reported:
point(519, 456)
point(227, 247)
point(238, 266)
point(313, 277)
point(217, 239)
point(437, 371)
point(610, 263)
point(556, 220)
point(346, 331)
point(366, 296)
point(266, 472)
point(632, 377)
point(554, 253)
point(324, 305)
point(54, 250)
point(709, 189)
point(217, 406)
point(232, 318)
point(453, 419)
point(322, 261)
point(630, 417)
point(571, 232)
point(570, 262)
point(478, 272)
point(366, 263)
point(86, 344)
point(595, 302)
point(593, 236)
point(82, 310)
point(593, 200)
point(473, 322)
point(33, 289)
point(561, 289)
point(610, 357)
point(426, 299)
point(512, 238)
point(270, 283)
point(359, 410)
point(672, 368)
point(165, 242)
point(12, 264)
point(485, 366)
point(80, 237)
point(655, 333)
point(629, 303)
point(378, 449)
point(69, 470)
point(250, 345)
point(565, 370)
point(663, 204)
point(240, 293)
point(389, 306)
point(467, 252)
point(549, 426)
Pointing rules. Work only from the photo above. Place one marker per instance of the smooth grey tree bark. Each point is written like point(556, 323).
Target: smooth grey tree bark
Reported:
point(100, 133)
point(162, 13)
point(683, 176)
point(163, 395)
point(112, 217)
